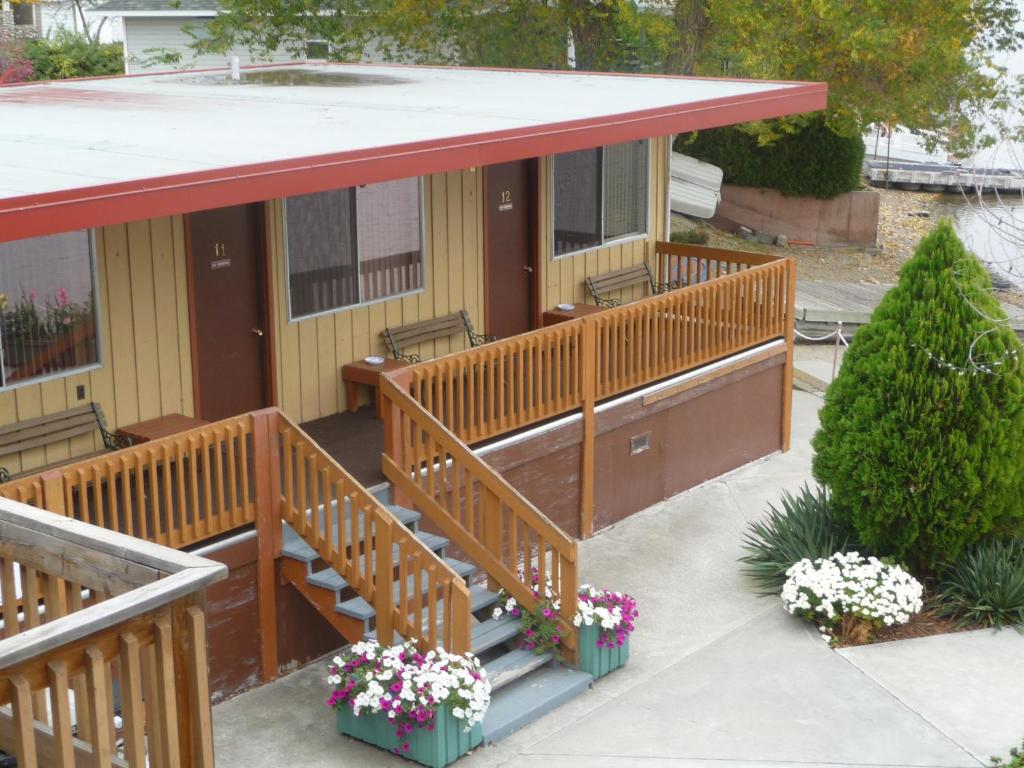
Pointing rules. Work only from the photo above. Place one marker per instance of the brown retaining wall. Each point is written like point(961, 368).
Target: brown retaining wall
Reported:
point(847, 219)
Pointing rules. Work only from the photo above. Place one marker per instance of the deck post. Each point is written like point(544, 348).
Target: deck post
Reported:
point(787, 378)
point(392, 415)
point(53, 492)
point(268, 533)
point(588, 365)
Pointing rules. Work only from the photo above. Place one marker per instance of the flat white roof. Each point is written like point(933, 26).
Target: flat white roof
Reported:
point(133, 147)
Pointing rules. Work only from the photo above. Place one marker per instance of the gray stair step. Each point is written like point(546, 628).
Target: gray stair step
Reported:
point(358, 608)
point(531, 697)
point(492, 632)
point(328, 578)
point(513, 665)
point(382, 491)
point(294, 547)
point(480, 597)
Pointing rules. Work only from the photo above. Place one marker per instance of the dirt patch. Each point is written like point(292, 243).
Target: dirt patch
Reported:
point(924, 624)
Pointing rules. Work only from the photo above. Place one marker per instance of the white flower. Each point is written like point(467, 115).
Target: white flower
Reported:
point(851, 585)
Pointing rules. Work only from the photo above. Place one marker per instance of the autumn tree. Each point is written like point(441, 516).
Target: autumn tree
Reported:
point(894, 62)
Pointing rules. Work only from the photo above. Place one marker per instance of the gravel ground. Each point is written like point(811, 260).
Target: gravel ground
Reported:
point(899, 231)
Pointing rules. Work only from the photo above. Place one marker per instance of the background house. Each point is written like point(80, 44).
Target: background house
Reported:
point(158, 34)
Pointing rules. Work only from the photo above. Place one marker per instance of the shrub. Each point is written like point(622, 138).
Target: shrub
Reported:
point(814, 162)
point(922, 432)
point(14, 66)
point(805, 527)
point(985, 586)
point(70, 55)
point(848, 595)
point(690, 236)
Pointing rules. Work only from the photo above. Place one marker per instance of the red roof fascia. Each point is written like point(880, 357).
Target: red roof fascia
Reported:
point(35, 215)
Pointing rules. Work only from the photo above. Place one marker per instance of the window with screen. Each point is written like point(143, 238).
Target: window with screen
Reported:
point(600, 195)
point(48, 320)
point(352, 246)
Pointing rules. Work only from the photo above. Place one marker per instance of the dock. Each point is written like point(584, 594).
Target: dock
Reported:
point(940, 177)
point(821, 306)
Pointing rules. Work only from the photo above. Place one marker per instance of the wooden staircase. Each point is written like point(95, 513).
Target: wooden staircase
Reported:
point(524, 685)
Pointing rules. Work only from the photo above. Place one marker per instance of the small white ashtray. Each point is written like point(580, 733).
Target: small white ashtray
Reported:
point(567, 307)
point(373, 360)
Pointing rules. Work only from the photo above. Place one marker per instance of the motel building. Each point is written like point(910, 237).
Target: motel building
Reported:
point(329, 351)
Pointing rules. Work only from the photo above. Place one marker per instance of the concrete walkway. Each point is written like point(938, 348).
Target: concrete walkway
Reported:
point(716, 677)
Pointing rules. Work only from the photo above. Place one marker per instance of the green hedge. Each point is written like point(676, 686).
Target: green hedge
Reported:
point(812, 163)
point(70, 55)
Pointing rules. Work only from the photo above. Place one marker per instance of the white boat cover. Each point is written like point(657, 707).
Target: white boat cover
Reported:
point(694, 187)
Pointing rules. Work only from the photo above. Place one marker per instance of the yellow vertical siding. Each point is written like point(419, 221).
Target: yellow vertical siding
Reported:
point(146, 364)
point(310, 352)
point(562, 280)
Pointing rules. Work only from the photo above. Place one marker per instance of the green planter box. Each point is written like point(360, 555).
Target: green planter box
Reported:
point(445, 744)
point(600, 661)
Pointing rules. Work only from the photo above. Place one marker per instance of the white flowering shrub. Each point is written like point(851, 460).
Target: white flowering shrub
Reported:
point(408, 686)
point(846, 586)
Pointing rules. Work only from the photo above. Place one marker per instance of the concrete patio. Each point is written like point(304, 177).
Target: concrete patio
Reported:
point(716, 675)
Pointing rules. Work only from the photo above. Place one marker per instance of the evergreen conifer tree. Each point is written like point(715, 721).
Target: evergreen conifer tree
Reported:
point(922, 432)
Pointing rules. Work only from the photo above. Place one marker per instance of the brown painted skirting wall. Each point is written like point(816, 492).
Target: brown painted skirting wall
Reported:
point(695, 435)
point(233, 629)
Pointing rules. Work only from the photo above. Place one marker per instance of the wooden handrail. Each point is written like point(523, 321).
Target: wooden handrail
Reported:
point(488, 519)
point(175, 491)
point(95, 606)
point(729, 302)
point(359, 538)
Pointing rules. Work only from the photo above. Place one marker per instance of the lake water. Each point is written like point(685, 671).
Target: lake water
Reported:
point(992, 229)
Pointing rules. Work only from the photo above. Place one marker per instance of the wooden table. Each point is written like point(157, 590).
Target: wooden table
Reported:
point(368, 375)
point(162, 426)
point(556, 315)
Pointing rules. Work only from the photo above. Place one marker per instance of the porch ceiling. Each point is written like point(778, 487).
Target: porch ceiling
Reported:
point(97, 151)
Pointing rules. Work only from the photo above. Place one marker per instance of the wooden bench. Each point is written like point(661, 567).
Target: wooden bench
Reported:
point(616, 281)
point(399, 339)
point(55, 428)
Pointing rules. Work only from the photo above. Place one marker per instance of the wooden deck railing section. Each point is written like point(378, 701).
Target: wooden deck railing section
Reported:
point(176, 491)
point(731, 302)
point(85, 610)
point(477, 509)
point(333, 514)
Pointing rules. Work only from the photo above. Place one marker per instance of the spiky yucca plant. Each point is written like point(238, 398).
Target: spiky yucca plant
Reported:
point(804, 527)
point(985, 586)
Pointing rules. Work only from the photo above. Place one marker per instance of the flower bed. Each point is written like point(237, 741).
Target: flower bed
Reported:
point(606, 620)
point(848, 595)
point(425, 707)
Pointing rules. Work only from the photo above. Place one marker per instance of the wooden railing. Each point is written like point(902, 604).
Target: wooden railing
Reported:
point(676, 265)
point(360, 539)
point(175, 491)
point(494, 388)
point(84, 609)
point(664, 335)
point(730, 301)
point(476, 508)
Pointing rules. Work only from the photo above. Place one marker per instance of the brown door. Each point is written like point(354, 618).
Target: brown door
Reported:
point(511, 253)
point(226, 263)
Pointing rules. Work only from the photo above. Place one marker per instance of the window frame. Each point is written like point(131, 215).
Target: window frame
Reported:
point(97, 321)
point(604, 243)
point(360, 303)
